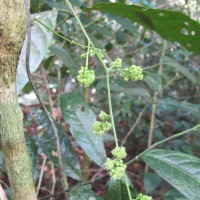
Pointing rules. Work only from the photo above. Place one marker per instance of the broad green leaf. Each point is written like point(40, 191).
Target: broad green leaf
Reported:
point(188, 108)
point(64, 56)
point(153, 80)
point(130, 91)
point(82, 193)
point(117, 190)
point(105, 31)
point(151, 181)
point(181, 170)
point(40, 41)
point(183, 70)
point(46, 142)
point(171, 25)
point(126, 24)
point(80, 118)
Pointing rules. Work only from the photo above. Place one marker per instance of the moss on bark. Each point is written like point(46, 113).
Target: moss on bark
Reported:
point(12, 31)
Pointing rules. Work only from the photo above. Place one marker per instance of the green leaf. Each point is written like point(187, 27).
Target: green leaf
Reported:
point(63, 55)
point(171, 62)
point(40, 41)
point(151, 181)
point(153, 80)
point(126, 24)
point(46, 142)
point(80, 118)
point(188, 108)
point(171, 25)
point(181, 170)
point(82, 193)
point(117, 190)
point(137, 91)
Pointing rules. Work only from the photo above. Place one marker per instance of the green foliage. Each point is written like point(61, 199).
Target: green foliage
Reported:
point(151, 181)
point(117, 190)
point(125, 36)
point(40, 41)
point(77, 114)
point(179, 169)
point(82, 193)
point(183, 70)
point(171, 25)
point(46, 145)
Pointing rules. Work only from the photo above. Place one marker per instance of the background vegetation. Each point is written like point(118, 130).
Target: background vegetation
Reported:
point(163, 37)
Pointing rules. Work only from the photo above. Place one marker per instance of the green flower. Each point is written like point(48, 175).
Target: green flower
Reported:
point(115, 167)
point(100, 128)
point(92, 52)
point(119, 170)
point(133, 73)
point(86, 76)
point(103, 116)
point(109, 164)
point(117, 64)
point(143, 197)
point(100, 52)
point(119, 152)
point(83, 55)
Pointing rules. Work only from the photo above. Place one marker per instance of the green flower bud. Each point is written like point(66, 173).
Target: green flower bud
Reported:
point(103, 116)
point(115, 167)
point(118, 171)
point(109, 164)
point(92, 52)
point(119, 152)
point(86, 76)
point(133, 73)
point(83, 55)
point(143, 197)
point(101, 127)
point(117, 64)
point(100, 53)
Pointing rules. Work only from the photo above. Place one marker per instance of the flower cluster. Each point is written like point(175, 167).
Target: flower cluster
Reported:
point(117, 64)
point(86, 76)
point(143, 197)
point(104, 117)
point(119, 152)
point(92, 53)
point(116, 167)
point(100, 127)
point(133, 73)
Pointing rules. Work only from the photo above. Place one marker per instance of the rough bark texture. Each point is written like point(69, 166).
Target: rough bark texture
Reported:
point(12, 31)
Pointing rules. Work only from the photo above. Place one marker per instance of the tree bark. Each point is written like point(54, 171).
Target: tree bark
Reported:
point(12, 32)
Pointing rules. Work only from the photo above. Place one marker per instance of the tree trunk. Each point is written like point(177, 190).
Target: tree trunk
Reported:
point(12, 32)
